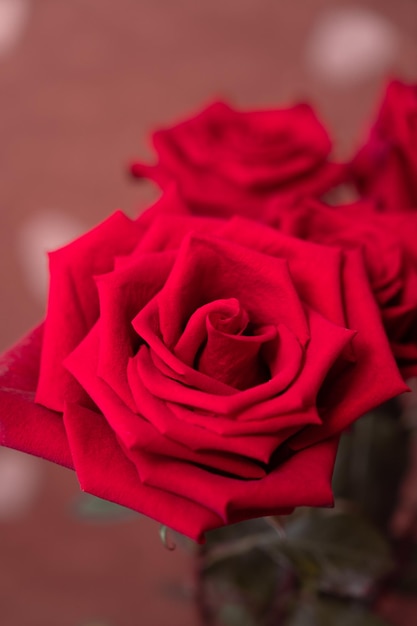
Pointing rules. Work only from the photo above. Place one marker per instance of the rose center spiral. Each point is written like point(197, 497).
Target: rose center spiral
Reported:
point(232, 351)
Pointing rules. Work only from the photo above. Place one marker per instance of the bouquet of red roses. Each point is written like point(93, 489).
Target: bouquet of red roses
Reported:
point(199, 363)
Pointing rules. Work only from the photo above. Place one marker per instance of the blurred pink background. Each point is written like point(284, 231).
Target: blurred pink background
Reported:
point(81, 85)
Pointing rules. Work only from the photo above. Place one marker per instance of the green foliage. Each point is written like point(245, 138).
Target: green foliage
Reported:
point(252, 574)
point(340, 553)
point(246, 580)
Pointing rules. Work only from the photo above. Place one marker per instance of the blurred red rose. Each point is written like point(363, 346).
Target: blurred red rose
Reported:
point(198, 370)
point(226, 161)
point(385, 168)
point(388, 246)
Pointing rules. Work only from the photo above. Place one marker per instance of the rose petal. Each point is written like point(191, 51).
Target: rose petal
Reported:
point(226, 161)
point(201, 432)
point(303, 480)
point(326, 345)
point(385, 167)
point(322, 293)
point(73, 301)
point(25, 425)
point(104, 471)
point(131, 429)
point(121, 295)
point(374, 378)
point(238, 359)
point(208, 269)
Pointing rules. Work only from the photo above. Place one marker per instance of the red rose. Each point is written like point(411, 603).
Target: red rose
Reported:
point(389, 259)
point(385, 168)
point(198, 370)
point(226, 161)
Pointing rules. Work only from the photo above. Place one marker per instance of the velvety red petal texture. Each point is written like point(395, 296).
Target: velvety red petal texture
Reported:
point(24, 425)
point(73, 305)
point(226, 161)
point(105, 471)
point(291, 481)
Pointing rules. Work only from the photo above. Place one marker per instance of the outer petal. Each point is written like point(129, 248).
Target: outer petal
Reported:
point(302, 480)
point(385, 167)
point(374, 378)
point(25, 425)
point(73, 304)
point(104, 470)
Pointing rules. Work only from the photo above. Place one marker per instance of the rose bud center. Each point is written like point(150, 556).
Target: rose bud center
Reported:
point(233, 349)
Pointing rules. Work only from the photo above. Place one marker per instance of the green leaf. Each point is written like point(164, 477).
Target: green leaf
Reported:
point(341, 553)
point(238, 570)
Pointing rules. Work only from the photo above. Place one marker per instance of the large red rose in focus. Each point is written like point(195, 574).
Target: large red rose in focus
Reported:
point(226, 161)
point(385, 168)
point(198, 370)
